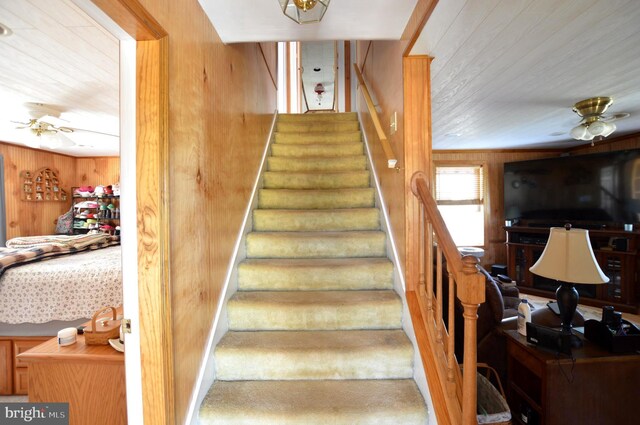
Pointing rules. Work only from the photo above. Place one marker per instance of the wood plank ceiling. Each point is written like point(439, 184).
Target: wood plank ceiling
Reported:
point(507, 73)
point(57, 56)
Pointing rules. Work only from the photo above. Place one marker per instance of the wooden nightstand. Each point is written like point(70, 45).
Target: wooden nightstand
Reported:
point(595, 387)
point(88, 377)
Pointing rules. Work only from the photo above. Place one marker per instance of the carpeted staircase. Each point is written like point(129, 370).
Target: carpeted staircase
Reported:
point(315, 329)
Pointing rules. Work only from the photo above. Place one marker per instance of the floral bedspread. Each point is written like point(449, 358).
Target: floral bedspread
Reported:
point(66, 287)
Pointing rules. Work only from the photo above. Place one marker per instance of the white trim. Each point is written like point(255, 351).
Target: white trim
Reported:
point(219, 326)
point(399, 284)
point(129, 228)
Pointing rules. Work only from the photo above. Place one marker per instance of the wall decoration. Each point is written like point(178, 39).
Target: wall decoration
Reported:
point(42, 185)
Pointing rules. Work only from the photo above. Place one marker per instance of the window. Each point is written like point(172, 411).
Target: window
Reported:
point(460, 198)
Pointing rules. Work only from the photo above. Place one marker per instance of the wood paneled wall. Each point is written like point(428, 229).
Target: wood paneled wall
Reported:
point(221, 103)
point(97, 171)
point(383, 73)
point(39, 218)
point(495, 250)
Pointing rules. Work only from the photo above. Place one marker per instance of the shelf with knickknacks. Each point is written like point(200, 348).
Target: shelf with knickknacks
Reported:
point(42, 185)
point(96, 209)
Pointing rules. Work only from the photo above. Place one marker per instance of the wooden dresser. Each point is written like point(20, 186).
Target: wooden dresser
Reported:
point(593, 386)
point(90, 378)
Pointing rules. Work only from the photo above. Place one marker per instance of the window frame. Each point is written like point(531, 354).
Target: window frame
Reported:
point(486, 204)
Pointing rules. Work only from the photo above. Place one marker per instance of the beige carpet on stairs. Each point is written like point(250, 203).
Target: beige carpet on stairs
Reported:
point(315, 329)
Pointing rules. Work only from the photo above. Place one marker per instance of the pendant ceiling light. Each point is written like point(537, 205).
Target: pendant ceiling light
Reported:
point(305, 11)
point(592, 124)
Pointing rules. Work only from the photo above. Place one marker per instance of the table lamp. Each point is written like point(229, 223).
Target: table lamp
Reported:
point(569, 259)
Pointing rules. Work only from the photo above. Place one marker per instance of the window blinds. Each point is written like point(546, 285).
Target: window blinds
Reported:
point(459, 185)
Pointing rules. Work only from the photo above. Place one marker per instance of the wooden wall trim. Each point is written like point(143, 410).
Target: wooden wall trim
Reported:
point(152, 191)
point(441, 403)
point(417, 149)
point(287, 70)
point(266, 63)
point(133, 18)
point(347, 76)
point(416, 22)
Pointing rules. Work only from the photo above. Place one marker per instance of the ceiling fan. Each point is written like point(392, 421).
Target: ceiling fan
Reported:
point(594, 123)
point(50, 130)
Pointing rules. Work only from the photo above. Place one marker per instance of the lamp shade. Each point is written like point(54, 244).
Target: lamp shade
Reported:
point(568, 257)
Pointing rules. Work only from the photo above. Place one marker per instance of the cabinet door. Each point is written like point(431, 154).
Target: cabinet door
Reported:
point(20, 368)
point(6, 368)
point(616, 267)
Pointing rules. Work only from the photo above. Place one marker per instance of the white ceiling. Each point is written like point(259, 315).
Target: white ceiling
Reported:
point(239, 21)
point(507, 72)
point(59, 57)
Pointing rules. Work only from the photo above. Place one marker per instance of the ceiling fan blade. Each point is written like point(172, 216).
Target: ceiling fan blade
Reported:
point(91, 131)
point(615, 117)
point(24, 124)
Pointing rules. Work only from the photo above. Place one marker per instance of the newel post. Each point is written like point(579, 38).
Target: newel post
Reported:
point(471, 295)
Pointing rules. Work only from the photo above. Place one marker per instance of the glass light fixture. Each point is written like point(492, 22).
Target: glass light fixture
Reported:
point(304, 11)
point(592, 125)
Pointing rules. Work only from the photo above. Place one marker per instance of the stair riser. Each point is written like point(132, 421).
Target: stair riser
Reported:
point(349, 116)
point(269, 317)
point(235, 364)
point(318, 138)
point(346, 180)
point(300, 151)
point(266, 246)
point(282, 277)
point(352, 163)
point(331, 127)
point(316, 220)
point(285, 199)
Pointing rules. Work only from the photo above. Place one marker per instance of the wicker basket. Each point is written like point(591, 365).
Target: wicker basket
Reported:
point(101, 332)
point(492, 405)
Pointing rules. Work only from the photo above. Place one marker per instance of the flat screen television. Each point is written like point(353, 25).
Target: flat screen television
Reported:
point(602, 189)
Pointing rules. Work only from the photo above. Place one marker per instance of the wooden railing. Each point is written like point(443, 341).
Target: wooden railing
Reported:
point(386, 146)
point(453, 391)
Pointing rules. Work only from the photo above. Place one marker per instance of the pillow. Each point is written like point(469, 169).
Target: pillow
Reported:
point(64, 225)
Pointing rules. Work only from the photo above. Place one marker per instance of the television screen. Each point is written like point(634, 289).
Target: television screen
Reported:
point(596, 188)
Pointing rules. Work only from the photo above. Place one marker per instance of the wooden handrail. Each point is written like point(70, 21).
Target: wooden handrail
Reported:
point(386, 146)
point(454, 390)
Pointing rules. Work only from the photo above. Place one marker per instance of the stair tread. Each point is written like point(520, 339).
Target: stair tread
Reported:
point(338, 402)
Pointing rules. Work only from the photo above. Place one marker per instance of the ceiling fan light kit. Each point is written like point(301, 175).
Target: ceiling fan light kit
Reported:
point(592, 125)
point(304, 11)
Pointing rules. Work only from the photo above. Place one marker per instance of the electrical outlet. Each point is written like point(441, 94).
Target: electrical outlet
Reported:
point(393, 127)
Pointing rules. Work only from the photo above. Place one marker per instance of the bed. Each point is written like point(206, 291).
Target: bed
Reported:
point(47, 284)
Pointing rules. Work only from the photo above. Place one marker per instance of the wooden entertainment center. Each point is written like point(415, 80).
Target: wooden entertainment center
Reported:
point(617, 254)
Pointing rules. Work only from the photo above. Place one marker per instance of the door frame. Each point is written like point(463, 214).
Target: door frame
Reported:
point(145, 166)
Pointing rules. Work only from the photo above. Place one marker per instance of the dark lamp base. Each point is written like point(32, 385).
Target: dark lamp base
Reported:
point(567, 297)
